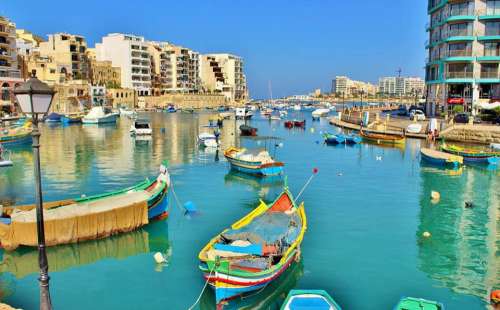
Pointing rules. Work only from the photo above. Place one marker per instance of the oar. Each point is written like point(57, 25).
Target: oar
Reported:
point(315, 171)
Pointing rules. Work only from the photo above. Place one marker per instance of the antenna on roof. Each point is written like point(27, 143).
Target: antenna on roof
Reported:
point(399, 72)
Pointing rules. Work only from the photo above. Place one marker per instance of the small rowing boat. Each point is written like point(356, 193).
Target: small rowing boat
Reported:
point(334, 139)
point(248, 130)
point(288, 124)
point(255, 250)
point(472, 155)
point(298, 123)
point(257, 162)
point(410, 303)
point(53, 118)
point(309, 299)
point(441, 158)
point(87, 218)
point(382, 138)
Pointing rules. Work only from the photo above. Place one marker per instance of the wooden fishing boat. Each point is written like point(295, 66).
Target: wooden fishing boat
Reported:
point(382, 138)
point(473, 155)
point(71, 119)
point(441, 158)
point(288, 124)
point(248, 130)
point(16, 135)
point(309, 299)
point(410, 303)
point(87, 218)
point(53, 118)
point(334, 139)
point(255, 250)
point(257, 162)
point(352, 139)
point(298, 123)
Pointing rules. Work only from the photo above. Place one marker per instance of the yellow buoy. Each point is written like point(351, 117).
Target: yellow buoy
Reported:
point(426, 234)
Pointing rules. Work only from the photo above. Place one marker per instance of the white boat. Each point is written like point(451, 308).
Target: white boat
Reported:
point(414, 128)
point(5, 158)
point(320, 113)
point(127, 112)
point(495, 146)
point(297, 107)
point(283, 114)
point(100, 115)
point(275, 117)
point(141, 128)
point(243, 113)
point(207, 139)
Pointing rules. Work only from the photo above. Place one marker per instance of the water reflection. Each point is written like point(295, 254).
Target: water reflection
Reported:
point(24, 261)
point(264, 185)
point(462, 253)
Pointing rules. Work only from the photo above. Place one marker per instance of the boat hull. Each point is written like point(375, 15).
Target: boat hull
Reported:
point(439, 161)
point(473, 157)
point(70, 120)
point(255, 168)
point(109, 119)
point(382, 138)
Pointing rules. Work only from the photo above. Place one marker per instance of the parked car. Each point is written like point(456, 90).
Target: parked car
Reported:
point(417, 115)
point(455, 99)
point(461, 118)
point(496, 121)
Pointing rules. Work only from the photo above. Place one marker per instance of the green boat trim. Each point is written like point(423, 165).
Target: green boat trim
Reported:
point(411, 303)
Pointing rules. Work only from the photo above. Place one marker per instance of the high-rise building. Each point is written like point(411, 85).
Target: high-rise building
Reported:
point(341, 85)
point(235, 84)
point(414, 86)
point(387, 85)
point(68, 51)
point(464, 54)
point(346, 86)
point(129, 53)
point(211, 75)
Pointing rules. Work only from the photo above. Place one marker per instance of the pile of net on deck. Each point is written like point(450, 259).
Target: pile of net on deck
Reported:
point(269, 234)
point(254, 156)
point(77, 222)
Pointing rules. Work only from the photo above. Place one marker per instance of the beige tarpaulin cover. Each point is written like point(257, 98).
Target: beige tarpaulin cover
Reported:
point(78, 222)
point(21, 263)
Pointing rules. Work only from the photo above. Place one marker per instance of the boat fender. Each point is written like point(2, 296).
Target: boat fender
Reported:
point(426, 234)
point(379, 158)
point(340, 174)
point(435, 196)
point(469, 205)
point(159, 258)
point(312, 130)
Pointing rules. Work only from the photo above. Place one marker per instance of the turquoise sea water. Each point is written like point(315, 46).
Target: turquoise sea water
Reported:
point(367, 209)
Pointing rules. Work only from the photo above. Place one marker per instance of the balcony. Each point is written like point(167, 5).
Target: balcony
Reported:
point(435, 5)
point(489, 14)
point(459, 75)
point(461, 14)
point(460, 53)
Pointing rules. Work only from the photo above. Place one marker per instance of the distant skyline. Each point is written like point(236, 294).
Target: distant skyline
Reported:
point(297, 45)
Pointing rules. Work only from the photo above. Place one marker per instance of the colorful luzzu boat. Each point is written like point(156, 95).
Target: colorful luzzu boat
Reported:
point(260, 163)
point(473, 155)
point(382, 138)
point(87, 218)
point(255, 250)
point(16, 135)
point(440, 158)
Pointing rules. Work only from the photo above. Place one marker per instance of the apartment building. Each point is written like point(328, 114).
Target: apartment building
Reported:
point(161, 67)
point(8, 52)
point(346, 86)
point(68, 52)
point(211, 75)
point(235, 84)
point(27, 43)
point(129, 53)
point(414, 86)
point(464, 54)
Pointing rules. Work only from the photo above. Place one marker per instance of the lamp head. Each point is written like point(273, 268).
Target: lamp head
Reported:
point(34, 96)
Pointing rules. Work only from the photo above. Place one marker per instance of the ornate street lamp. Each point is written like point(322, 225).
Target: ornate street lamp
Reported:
point(34, 98)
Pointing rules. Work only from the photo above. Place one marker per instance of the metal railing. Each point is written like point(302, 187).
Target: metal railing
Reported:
point(456, 33)
point(459, 74)
point(492, 32)
point(458, 53)
point(461, 11)
point(489, 74)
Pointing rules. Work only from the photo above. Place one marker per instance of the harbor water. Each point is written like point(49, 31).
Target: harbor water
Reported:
point(367, 210)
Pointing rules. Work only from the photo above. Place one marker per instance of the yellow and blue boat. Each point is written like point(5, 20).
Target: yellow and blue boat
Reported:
point(255, 250)
point(440, 158)
point(253, 162)
point(16, 135)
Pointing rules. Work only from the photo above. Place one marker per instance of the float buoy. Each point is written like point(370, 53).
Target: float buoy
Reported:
point(426, 234)
point(379, 158)
point(435, 196)
point(469, 205)
point(312, 130)
point(159, 258)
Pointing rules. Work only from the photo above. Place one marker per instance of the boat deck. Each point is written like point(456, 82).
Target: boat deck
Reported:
point(439, 154)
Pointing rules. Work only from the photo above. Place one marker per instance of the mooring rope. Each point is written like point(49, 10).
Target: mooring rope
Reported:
point(203, 289)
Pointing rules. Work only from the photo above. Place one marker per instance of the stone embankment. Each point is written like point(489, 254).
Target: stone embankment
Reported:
point(483, 134)
point(6, 307)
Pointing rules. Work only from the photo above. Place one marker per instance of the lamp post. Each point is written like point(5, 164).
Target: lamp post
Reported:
point(34, 98)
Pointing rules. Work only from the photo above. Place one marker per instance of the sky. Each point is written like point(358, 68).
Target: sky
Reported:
point(294, 46)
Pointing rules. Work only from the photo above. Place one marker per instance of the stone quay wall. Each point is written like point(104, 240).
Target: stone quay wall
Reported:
point(192, 101)
point(483, 134)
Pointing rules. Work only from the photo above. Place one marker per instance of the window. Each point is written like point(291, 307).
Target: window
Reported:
point(52, 71)
point(460, 9)
point(493, 7)
point(5, 92)
point(459, 49)
point(493, 28)
point(492, 49)
point(460, 29)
